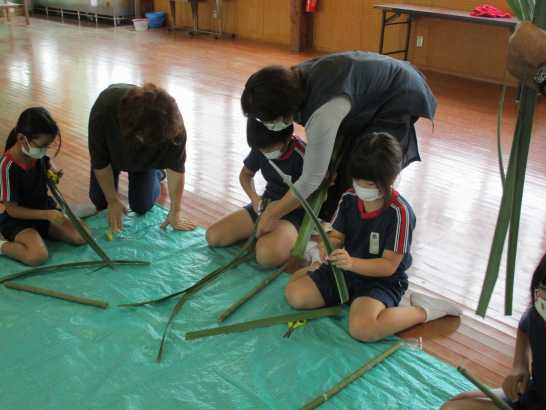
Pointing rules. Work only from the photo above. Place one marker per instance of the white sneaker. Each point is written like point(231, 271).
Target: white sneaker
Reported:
point(84, 210)
point(435, 308)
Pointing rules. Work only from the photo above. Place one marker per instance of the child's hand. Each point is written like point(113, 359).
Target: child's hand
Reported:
point(341, 259)
point(322, 251)
point(516, 383)
point(55, 217)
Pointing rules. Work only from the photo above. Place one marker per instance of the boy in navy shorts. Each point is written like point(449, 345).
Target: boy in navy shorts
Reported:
point(372, 234)
point(286, 150)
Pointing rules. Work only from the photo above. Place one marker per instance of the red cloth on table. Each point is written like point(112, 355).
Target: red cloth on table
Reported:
point(487, 10)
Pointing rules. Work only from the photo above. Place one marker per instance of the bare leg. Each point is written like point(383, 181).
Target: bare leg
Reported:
point(469, 401)
point(370, 320)
point(66, 233)
point(28, 248)
point(230, 229)
point(302, 293)
point(273, 249)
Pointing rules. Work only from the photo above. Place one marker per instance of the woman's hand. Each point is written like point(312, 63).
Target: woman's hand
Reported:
point(178, 222)
point(257, 204)
point(515, 384)
point(116, 211)
point(341, 259)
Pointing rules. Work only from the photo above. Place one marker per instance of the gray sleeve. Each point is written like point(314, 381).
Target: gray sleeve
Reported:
point(321, 131)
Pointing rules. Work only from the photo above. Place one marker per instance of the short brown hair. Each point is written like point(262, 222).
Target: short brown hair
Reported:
point(150, 114)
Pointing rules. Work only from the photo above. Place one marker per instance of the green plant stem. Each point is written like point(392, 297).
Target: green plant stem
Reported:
point(486, 390)
point(54, 189)
point(347, 380)
point(338, 274)
point(253, 292)
point(72, 265)
point(265, 322)
point(55, 294)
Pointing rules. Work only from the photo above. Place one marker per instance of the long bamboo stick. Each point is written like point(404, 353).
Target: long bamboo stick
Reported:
point(328, 394)
point(338, 274)
point(265, 322)
point(249, 295)
point(486, 390)
point(71, 265)
point(56, 294)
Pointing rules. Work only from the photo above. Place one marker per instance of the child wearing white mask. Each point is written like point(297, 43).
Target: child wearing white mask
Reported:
point(30, 213)
point(525, 386)
point(371, 234)
point(287, 151)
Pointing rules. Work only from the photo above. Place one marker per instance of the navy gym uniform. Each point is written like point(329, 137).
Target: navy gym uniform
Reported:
point(25, 185)
point(534, 327)
point(291, 163)
point(367, 236)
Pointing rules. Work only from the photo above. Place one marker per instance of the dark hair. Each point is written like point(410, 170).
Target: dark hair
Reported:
point(377, 158)
point(272, 92)
point(259, 137)
point(539, 276)
point(151, 113)
point(32, 123)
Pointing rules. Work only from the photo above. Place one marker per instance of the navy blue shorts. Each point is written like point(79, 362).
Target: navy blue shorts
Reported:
point(295, 217)
point(389, 291)
point(11, 227)
point(530, 400)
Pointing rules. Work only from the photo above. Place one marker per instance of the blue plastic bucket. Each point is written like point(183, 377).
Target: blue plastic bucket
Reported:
point(155, 19)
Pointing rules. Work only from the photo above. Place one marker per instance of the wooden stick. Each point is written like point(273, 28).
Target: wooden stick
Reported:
point(75, 265)
point(265, 322)
point(55, 294)
point(497, 401)
point(352, 377)
point(253, 292)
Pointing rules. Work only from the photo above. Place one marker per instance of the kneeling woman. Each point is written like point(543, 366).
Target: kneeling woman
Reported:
point(286, 150)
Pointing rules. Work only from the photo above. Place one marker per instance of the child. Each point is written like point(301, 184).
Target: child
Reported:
point(522, 390)
point(272, 249)
point(30, 214)
point(372, 232)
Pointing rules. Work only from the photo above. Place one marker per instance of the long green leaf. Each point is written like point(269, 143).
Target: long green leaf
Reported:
point(250, 294)
point(528, 99)
point(265, 322)
point(74, 219)
point(500, 115)
point(347, 380)
point(318, 198)
point(72, 265)
point(195, 288)
point(510, 209)
point(501, 404)
point(338, 274)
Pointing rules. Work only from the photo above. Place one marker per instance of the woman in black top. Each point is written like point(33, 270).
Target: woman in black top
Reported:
point(138, 130)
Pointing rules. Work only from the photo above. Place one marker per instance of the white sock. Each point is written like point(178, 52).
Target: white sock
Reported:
point(434, 308)
point(312, 252)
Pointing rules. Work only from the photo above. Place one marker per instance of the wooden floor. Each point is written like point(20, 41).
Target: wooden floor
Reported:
point(455, 190)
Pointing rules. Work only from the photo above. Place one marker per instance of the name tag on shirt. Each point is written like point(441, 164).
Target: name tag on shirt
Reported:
point(374, 243)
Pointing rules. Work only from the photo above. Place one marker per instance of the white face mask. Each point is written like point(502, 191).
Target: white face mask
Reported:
point(34, 152)
point(273, 154)
point(367, 194)
point(276, 126)
point(540, 306)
